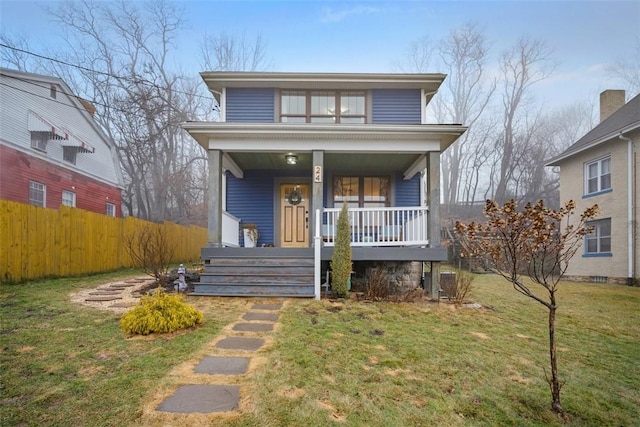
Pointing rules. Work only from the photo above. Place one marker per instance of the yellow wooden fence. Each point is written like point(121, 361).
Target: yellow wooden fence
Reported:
point(37, 242)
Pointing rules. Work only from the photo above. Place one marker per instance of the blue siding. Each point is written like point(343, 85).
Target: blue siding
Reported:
point(251, 200)
point(407, 193)
point(396, 106)
point(250, 105)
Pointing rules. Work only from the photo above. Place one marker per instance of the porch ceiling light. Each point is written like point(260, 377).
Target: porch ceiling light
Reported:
point(291, 159)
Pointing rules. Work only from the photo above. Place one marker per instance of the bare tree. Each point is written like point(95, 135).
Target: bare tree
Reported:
point(525, 64)
point(151, 250)
point(628, 70)
point(124, 50)
point(225, 52)
point(464, 54)
point(536, 243)
point(16, 56)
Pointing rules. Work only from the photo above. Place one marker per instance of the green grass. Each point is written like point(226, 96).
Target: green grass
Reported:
point(64, 364)
point(351, 364)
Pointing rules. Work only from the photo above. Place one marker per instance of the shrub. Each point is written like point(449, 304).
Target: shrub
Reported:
point(341, 258)
point(459, 288)
point(160, 313)
point(378, 286)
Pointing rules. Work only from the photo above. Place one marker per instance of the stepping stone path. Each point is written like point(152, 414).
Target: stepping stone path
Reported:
point(216, 398)
point(124, 295)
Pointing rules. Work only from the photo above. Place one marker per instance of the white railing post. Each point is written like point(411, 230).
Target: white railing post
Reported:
point(317, 243)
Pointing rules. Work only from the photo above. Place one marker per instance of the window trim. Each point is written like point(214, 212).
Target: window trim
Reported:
point(308, 116)
point(597, 226)
point(62, 202)
point(107, 205)
point(598, 177)
point(34, 202)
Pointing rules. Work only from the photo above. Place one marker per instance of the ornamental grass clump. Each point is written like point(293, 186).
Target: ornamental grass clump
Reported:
point(160, 313)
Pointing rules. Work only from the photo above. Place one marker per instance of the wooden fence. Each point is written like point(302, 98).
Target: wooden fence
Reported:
point(37, 242)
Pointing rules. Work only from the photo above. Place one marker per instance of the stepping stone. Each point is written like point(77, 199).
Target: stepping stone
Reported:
point(253, 327)
point(121, 285)
point(104, 293)
point(240, 343)
point(267, 306)
point(102, 299)
point(202, 398)
point(272, 317)
point(216, 365)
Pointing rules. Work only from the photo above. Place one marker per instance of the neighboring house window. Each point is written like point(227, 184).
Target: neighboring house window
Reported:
point(599, 240)
point(39, 140)
point(69, 154)
point(53, 92)
point(361, 191)
point(111, 209)
point(298, 106)
point(69, 198)
point(598, 176)
point(37, 193)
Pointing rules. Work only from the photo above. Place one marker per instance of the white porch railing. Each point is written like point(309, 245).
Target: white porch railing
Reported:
point(230, 230)
point(406, 226)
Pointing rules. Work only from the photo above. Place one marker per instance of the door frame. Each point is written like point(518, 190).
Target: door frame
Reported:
point(277, 182)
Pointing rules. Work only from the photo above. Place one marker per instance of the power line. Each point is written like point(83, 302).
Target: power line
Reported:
point(104, 73)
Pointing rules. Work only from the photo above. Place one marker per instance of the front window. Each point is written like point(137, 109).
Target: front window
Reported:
point(37, 193)
point(69, 198)
point(598, 176)
point(298, 106)
point(599, 240)
point(361, 191)
point(111, 209)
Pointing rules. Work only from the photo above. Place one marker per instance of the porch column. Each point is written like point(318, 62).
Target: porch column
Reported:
point(316, 187)
point(433, 201)
point(215, 198)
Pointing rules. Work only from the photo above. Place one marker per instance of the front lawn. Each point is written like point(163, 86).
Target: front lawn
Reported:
point(352, 364)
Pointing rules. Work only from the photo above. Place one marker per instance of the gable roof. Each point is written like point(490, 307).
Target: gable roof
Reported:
point(626, 119)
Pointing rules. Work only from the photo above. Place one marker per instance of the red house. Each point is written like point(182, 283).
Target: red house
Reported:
point(52, 151)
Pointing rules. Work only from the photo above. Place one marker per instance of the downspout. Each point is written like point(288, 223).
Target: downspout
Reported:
point(631, 173)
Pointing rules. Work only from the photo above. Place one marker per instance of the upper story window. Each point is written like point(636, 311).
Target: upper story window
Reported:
point(598, 242)
point(69, 198)
point(298, 106)
point(39, 140)
point(53, 92)
point(37, 193)
point(69, 154)
point(597, 176)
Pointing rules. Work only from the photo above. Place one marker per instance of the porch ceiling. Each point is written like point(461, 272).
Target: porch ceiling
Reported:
point(335, 161)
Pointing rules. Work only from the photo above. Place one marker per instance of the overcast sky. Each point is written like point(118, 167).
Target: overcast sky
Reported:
point(333, 36)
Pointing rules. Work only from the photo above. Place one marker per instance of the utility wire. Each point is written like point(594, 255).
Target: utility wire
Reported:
point(80, 67)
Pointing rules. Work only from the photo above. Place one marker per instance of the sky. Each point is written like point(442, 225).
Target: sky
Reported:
point(585, 37)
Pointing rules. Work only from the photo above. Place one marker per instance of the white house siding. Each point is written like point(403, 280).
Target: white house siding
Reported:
point(612, 205)
point(19, 95)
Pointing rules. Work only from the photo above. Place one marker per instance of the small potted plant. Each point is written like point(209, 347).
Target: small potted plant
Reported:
point(250, 232)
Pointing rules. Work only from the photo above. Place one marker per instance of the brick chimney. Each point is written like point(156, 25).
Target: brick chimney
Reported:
point(610, 101)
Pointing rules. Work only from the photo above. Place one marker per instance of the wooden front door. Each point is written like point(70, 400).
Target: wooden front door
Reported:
point(294, 215)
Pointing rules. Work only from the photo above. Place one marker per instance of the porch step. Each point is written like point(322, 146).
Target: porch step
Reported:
point(248, 275)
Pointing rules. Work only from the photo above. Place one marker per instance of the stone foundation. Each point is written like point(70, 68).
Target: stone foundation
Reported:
point(403, 275)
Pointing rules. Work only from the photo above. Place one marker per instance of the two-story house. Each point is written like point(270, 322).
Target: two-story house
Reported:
point(291, 148)
point(601, 168)
point(52, 151)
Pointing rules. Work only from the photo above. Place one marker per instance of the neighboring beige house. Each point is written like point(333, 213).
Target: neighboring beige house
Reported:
point(601, 168)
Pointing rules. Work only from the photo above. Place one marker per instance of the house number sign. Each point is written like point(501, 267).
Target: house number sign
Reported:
point(317, 174)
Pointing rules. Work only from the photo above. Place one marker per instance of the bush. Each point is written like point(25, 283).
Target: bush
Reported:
point(459, 288)
point(160, 313)
point(341, 258)
point(378, 287)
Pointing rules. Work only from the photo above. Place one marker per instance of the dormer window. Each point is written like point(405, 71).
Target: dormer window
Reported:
point(298, 106)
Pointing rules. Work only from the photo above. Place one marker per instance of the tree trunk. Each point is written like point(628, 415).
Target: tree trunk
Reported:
point(554, 382)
